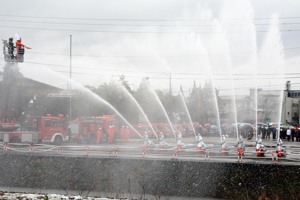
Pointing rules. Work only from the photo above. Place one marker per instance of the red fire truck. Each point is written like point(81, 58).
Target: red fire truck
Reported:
point(94, 129)
point(46, 129)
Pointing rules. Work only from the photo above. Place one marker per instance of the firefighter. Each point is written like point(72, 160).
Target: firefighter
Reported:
point(145, 138)
point(161, 141)
point(280, 150)
point(19, 45)
point(260, 148)
point(11, 48)
point(111, 135)
point(240, 148)
point(20, 50)
point(201, 144)
point(224, 146)
point(161, 138)
point(147, 142)
point(179, 141)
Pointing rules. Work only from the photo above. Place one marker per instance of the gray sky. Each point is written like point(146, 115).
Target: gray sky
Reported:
point(189, 39)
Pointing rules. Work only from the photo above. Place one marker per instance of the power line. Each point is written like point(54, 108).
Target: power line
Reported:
point(222, 89)
point(180, 78)
point(139, 32)
point(134, 19)
point(104, 19)
point(286, 75)
point(145, 25)
point(150, 56)
point(275, 75)
point(185, 74)
point(173, 78)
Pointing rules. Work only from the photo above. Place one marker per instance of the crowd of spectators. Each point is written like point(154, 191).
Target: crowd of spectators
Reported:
point(288, 133)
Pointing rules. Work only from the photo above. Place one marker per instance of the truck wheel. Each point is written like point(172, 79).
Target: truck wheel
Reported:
point(58, 140)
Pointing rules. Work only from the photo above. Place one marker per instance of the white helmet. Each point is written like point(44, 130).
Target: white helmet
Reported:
point(17, 36)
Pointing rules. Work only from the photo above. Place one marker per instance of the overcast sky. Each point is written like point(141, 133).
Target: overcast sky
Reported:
point(188, 40)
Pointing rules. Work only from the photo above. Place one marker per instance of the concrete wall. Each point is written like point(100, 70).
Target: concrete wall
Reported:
point(174, 178)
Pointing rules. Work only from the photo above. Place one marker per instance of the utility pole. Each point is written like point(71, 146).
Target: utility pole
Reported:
point(70, 108)
point(170, 84)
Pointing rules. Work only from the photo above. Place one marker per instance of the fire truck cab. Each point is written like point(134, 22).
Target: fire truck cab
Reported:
point(46, 129)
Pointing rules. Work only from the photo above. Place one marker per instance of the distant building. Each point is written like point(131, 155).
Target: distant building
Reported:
point(290, 108)
point(270, 105)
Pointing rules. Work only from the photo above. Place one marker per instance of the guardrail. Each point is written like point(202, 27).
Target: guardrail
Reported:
point(210, 154)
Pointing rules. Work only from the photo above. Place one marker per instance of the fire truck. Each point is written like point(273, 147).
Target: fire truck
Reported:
point(8, 125)
point(45, 129)
point(94, 130)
